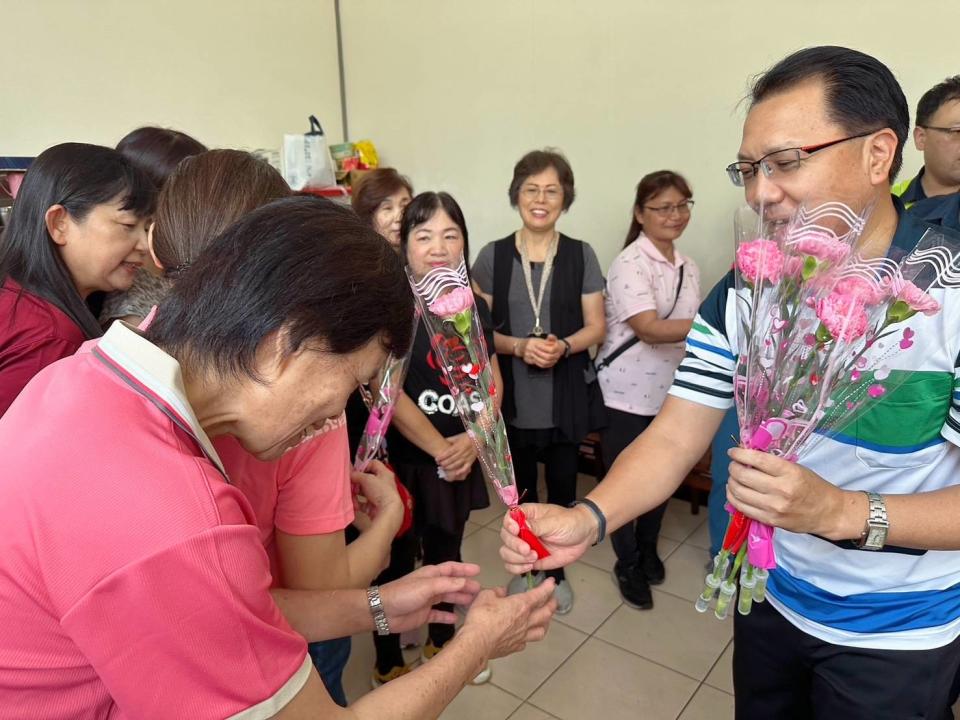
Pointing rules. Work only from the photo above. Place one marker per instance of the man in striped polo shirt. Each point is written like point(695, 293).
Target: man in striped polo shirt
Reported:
point(848, 632)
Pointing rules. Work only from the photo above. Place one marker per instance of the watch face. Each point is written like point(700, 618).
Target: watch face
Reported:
point(876, 537)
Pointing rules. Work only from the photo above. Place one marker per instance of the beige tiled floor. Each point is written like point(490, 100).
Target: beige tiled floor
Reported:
point(604, 659)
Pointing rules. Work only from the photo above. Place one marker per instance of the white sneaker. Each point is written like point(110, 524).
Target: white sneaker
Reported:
point(564, 596)
point(483, 676)
point(519, 583)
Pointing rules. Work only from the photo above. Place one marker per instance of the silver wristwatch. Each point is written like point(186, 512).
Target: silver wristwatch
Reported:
point(376, 610)
point(874, 534)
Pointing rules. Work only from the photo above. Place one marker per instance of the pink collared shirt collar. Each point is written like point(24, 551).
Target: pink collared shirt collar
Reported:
point(155, 371)
point(646, 245)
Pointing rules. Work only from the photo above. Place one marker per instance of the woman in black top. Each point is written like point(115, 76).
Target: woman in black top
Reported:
point(545, 291)
point(429, 448)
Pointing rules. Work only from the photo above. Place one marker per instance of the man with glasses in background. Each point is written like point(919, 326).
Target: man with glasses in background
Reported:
point(934, 194)
point(863, 615)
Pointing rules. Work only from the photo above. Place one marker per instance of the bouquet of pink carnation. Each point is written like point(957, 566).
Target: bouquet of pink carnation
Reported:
point(448, 309)
point(818, 327)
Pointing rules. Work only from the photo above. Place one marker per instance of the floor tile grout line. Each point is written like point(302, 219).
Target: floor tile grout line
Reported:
point(714, 666)
point(689, 700)
point(508, 692)
point(649, 660)
point(548, 713)
point(555, 670)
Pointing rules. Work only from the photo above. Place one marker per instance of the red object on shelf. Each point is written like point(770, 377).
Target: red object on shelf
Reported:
point(333, 191)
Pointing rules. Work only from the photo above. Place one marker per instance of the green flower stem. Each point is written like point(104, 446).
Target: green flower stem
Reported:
point(741, 554)
point(720, 564)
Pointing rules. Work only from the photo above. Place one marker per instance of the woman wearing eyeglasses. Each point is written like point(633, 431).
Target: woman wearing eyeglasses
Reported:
point(545, 292)
point(653, 293)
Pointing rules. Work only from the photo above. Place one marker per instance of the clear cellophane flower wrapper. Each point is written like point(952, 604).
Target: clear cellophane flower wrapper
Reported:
point(381, 402)
point(820, 329)
point(448, 310)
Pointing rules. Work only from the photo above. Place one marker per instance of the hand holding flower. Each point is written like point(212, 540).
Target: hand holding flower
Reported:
point(566, 533)
point(786, 495)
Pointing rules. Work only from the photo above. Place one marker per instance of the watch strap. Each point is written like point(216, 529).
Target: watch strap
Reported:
point(876, 519)
point(598, 513)
point(380, 623)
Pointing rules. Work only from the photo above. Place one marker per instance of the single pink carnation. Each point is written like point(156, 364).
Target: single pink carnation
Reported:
point(917, 299)
point(760, 260)
point(843, 315)
point(452, 303)
point(825, 248)
point(869, 291)
point(792, 266)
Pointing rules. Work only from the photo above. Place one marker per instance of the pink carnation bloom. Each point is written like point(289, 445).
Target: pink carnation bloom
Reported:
point(452, 303)
point(760, 260)
point(823, 247)
point(917, 299)
point(792, 266)
point(843, 315)
point(869, 291)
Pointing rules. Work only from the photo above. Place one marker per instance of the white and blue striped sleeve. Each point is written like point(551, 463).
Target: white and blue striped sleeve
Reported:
point(706, 374)
point(951, 428)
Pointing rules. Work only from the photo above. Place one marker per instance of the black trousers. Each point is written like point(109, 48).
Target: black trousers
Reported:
point(622, 429)
point(560, 459)
point(781, 672)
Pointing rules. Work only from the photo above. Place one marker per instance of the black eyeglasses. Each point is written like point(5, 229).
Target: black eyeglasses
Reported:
point(780, 162)
point(681, 208)
point(952, 132)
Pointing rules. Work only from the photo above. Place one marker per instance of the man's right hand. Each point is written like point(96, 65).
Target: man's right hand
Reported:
point(508, 623)
point(566, 533)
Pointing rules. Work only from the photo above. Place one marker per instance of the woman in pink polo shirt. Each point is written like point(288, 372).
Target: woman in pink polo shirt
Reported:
point(133, 580)
point(78, 226)
point(653, 293)
point(302, 501)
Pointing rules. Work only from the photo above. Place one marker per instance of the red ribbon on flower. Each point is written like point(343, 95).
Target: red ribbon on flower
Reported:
point(526, 534)
point(736, 533)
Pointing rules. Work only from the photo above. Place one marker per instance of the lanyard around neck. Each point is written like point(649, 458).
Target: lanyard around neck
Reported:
point(536, 301)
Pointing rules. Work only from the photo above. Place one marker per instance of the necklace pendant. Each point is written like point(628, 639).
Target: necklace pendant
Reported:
point(537, 330)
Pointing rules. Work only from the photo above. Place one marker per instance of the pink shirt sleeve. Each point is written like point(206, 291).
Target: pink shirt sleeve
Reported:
point(314, 490)
point(630, 289)
point(192, 631)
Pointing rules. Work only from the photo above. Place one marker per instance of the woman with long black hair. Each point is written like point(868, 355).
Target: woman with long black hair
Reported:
point(78, 226)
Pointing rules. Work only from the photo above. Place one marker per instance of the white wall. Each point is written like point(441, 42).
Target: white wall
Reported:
point(455, 92)
point(233, 73)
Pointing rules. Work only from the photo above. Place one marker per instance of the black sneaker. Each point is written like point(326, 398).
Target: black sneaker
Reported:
point(651, 564)
point(633, 586)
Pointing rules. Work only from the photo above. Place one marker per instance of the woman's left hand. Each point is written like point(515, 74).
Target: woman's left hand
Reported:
point(784, 494)
point(459, 457)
